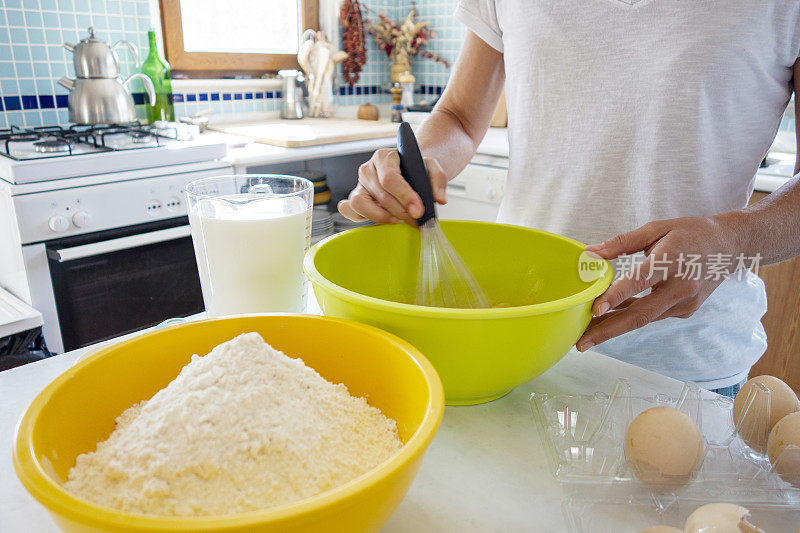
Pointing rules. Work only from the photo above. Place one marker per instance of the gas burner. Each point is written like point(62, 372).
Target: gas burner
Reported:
point(51, 145)
point(140, 137)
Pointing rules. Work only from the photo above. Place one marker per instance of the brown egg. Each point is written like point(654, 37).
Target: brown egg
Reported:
point(664, 446)
point(782, 401)
point(720, 518)
point(783, 448)
point(661, 529)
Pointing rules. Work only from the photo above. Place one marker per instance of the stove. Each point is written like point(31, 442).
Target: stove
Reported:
point(29, 155)
point(93, 226)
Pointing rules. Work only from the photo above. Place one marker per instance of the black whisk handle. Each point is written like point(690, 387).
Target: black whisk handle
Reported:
point(412, 166)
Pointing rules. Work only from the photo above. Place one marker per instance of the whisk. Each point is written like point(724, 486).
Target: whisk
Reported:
point(443, 280)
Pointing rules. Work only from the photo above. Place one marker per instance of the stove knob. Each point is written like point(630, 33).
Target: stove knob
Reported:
point(82, 219)
point(58, 223)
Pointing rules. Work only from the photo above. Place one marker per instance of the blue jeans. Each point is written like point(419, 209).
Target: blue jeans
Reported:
point(731, 391)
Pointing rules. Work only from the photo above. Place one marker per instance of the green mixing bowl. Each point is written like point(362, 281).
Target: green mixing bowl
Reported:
point(544, 304)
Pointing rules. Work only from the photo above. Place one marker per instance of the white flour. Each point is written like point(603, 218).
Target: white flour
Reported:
point(243, 428)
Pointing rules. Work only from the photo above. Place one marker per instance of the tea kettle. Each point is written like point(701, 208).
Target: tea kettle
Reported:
point(93, 58)
point(98, 95)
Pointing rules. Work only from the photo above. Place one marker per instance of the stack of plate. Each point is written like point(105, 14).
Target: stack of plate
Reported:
point(322, 194)
point(321, 224)
point(340, 223)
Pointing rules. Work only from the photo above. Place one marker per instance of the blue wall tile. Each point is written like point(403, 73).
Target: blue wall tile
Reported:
point(33, 19)
point(24, 69)
point(15, 17)
point(12, 103)
point(9, 86)
point(27, 85)
point(18, 35)
point(47, 101)
point(35, 30)
point(30, 101)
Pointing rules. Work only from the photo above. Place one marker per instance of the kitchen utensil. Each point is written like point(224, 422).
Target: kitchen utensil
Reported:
point(320, 60)
point(250, 233)
point(103, 100)
point(94, 58)
point(78, 409)
point(291, 107)
point(305, 51)
point(369, 275)
point(444, 280)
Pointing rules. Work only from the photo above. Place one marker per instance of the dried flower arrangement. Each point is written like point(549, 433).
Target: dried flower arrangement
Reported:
point(403, 41)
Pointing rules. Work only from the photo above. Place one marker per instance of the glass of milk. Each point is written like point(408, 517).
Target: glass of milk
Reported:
point(250, 233)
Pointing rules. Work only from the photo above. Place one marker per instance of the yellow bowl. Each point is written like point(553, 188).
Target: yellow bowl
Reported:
point(369, 275)
point(77, 410)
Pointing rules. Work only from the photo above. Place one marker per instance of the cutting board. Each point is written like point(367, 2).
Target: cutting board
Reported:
point(310, 131)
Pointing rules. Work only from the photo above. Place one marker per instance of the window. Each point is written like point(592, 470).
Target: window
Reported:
point(212, 38)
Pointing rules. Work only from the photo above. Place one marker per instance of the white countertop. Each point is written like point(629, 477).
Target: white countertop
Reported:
point(484, 471)
point(243, 153)
point(492, 449)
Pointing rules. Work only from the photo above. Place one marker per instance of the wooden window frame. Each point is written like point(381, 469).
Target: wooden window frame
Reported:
point(215, 64)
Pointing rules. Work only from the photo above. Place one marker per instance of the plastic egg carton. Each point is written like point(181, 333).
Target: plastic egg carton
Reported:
point(583, 438)
point(584, 516)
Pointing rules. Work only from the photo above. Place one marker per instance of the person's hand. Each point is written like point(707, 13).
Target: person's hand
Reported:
point(383, 195)
point(666, 244)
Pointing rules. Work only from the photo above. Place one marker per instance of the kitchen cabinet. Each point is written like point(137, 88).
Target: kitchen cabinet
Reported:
point(782, 320)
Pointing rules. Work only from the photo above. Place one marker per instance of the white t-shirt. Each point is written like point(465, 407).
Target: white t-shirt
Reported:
point(627, 111)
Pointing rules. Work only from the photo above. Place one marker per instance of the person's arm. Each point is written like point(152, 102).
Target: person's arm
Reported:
point(448, 139)
point(768, 229)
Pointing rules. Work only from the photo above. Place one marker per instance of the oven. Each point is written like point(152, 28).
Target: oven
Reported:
point(104, 259)
point(113, 282)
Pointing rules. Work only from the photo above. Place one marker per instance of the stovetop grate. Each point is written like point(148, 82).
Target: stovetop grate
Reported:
point(96, 136)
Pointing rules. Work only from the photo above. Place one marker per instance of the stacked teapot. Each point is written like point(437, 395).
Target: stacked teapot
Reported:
point(98, 94)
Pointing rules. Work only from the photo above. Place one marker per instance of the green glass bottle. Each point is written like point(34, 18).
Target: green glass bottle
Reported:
point(157, 69)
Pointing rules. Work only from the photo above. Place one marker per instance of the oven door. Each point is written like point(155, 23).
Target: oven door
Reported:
point(114, 282)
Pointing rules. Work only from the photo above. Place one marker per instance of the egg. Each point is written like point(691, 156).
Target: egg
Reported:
point(661, 529)
point(664, 446)
point(720, 518)
point(783, 448)
point(782, 401)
